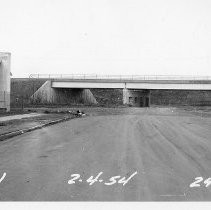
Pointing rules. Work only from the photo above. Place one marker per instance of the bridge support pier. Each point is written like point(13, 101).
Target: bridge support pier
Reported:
point(48, 95)
point(137, 98)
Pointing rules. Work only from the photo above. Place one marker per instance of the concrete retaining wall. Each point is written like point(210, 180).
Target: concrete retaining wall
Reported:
point(108, 97)
point(181, 97)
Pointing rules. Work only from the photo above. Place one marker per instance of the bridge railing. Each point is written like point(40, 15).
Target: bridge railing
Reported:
point(118, 77)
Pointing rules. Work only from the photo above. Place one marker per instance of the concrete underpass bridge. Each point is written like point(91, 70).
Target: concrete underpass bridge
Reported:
point(135, 88)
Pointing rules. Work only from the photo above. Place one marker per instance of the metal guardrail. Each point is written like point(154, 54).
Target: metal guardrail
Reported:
point(118, 77)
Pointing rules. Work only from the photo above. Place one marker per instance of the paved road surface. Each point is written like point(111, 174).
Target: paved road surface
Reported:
point(167, 150)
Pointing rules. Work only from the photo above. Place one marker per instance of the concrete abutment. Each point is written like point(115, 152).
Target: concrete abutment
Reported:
point(48, 95)
point(137, 98)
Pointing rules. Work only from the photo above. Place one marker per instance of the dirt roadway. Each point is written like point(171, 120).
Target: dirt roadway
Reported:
point(167, 150)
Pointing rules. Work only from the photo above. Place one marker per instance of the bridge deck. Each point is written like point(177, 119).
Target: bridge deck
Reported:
point(134, 81)
point(128, 82)
point(120, 77)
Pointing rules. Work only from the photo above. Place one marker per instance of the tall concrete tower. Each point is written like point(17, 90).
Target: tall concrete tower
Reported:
point(5, 81)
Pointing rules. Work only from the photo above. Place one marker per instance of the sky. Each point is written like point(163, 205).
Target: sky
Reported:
point(115, 37)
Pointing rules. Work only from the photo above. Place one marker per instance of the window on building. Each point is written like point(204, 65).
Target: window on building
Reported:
point(136, 99)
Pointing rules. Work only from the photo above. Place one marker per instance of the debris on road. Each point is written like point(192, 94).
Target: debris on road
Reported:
point(79, 113)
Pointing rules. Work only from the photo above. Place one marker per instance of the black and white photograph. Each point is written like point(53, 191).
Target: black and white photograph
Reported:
point(105, 101)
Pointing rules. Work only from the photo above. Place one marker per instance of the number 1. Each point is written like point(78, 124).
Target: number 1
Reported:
point(2, 178)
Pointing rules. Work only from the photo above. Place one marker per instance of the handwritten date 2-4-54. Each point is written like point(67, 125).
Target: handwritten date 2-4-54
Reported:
point(91, 180)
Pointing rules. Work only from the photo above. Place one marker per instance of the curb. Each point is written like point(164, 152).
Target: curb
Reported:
point(20, 132)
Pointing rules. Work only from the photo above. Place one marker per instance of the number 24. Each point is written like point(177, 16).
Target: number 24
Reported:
point(207, 182)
